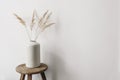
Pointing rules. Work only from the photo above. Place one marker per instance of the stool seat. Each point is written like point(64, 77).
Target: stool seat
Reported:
point(24, 70)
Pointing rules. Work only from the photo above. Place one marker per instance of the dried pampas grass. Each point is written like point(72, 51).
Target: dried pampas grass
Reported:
point(20, 19)
point(42, 23)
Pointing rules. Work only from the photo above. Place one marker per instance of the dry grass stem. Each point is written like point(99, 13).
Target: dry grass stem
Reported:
point(20, 19)
point(45, 14)
point(42, 18)
point(33, 20)
point(48, 25)
point(41, 22)
point(48, 16)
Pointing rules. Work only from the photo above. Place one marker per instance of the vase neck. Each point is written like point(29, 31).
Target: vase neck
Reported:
point(32, 41)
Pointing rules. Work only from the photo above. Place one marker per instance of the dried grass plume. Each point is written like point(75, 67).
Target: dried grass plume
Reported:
point(42, 23)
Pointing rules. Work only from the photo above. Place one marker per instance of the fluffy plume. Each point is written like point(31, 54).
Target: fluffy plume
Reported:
point(20, 19)
point(42, 23)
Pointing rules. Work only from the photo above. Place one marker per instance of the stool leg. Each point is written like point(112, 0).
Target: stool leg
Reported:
point(43, 76)
point(22, 77)
point(29, 77)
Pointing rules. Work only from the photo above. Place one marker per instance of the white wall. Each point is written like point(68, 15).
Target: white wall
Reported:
point(83, 45)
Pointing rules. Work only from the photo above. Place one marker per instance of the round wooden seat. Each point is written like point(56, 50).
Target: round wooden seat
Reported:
point(23, 70)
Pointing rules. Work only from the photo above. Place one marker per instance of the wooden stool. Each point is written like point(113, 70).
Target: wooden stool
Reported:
point(23, 70)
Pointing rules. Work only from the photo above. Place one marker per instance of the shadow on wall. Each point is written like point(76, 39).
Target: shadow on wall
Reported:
point(55, 58)
point(57, 67)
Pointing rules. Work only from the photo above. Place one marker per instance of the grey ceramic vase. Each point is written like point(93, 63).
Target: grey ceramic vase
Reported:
point(33, 54)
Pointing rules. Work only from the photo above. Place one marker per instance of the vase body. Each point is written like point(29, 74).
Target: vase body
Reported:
point(33, 55)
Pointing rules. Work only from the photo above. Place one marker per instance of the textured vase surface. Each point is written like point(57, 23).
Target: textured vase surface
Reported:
point(33, 55)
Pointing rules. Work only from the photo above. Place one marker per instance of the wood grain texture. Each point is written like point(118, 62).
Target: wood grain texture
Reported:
point(29, 77)
point(22, 77)
point(43, 76)
point(24, 70)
